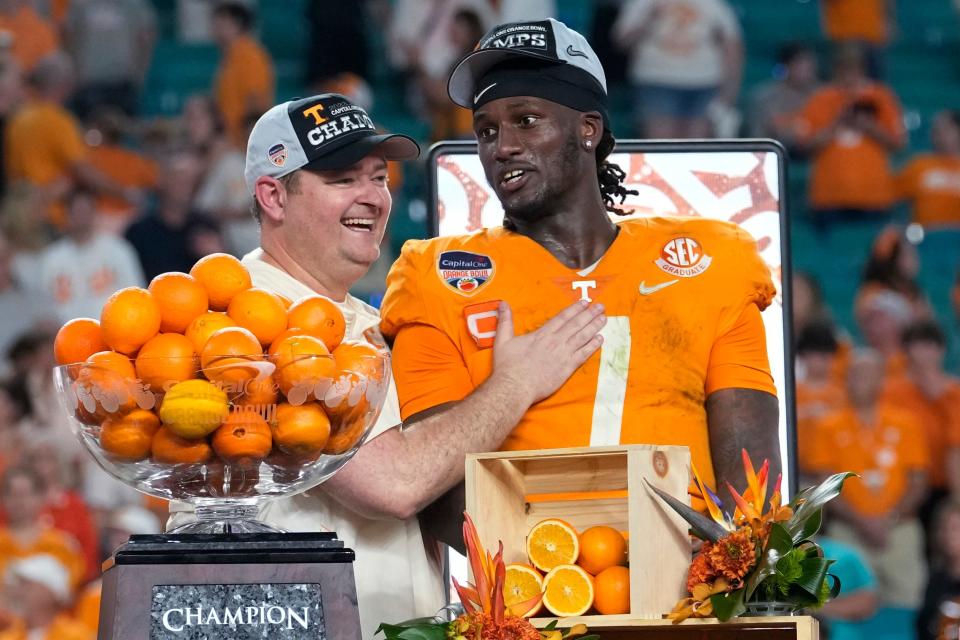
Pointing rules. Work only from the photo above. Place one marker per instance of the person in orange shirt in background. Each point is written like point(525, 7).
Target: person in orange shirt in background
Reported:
point(121, 164)
point(35, 602)
point(244, 82)
point(877, 512)
point(43, 145)
point(849, 128)
point(870, 23)
point(933, 396)
point(893, 265)
point(28, 531)
point(818, 392)
point(930, 182)
point(33, 37)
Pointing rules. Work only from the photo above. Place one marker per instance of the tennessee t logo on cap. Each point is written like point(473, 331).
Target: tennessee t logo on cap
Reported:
point(322, 133)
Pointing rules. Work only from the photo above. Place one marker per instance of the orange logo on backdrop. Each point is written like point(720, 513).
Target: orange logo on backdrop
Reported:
point(314, 111)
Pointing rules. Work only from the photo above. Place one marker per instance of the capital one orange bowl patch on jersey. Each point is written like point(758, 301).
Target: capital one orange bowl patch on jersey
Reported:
point(464, 272)
point(481, 319)
point(683, 257)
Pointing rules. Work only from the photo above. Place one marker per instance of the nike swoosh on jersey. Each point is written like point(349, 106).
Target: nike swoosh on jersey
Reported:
point(476, 98)
point(646, 291)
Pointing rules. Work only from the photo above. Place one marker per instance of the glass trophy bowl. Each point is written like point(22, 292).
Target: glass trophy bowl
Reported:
point(226, 437)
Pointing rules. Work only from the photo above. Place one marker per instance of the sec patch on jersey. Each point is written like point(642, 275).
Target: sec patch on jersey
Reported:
point(683, 257)
point(464, 272)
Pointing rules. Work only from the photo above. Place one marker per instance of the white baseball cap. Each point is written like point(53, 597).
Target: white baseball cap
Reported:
point(322, 132)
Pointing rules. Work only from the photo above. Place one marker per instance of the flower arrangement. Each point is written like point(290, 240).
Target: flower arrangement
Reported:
point(486, 616)
point(755, 555)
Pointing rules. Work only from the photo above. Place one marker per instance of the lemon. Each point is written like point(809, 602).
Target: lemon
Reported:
point(194, 408)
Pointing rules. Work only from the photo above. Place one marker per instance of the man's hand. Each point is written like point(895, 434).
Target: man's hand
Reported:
point(539, 362)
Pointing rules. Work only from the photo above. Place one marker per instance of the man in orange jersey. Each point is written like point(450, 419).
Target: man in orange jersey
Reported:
point(877, 512)
point(930, 182)
point(819, 392)
point(244, 84)
point(684, 359)
point(317, 170)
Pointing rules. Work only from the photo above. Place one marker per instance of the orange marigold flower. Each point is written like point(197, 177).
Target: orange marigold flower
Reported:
point(734, 555)
point(701, 571)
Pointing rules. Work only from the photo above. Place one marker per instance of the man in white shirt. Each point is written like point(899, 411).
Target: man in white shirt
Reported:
point(317, 170)
point(82, 269)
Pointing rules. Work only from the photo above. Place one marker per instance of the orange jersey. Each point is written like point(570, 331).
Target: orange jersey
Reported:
point(33, 37)
point(814, 403)
point(852, 170)
point(931, 182)
point(244, 85)
point(940, 418)
point(883, 454)
point(682, 297)
point(856, 20)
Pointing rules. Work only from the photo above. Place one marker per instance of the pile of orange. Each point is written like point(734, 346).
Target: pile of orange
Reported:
point(203, 365)
point(575, 572)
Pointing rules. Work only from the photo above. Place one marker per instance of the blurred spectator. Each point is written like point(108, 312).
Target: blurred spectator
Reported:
point(121, 164)
point(893, 265)
point(244, 84)
point(818, 392)
point(28, 531)
point(869, 23)
point(807, 305)
point(338, 40)
point(930, 182)
point(67, 509)
point(881, 317)
point(419, 34)
point(85, 267)
point(775, 104)
point(123, 523)
point(33, 37)
point(449, 121)
point(111, 42)
point(944, 583)
point(11, 94)
point(20, 309)
point(38, 596)
point(685, 55)
point(858, 597)
point(164, 237)
point(933, 396)
point(222, 193)
point(11, 439)
point(877, 512)
point(43, 144)
point(850, 128)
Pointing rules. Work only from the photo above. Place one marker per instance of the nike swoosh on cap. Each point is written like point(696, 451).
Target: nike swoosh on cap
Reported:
point(575, 52)
point(476, 98)
point(646, 291)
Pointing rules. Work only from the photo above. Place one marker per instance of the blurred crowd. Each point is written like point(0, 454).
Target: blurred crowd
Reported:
point(96, 195)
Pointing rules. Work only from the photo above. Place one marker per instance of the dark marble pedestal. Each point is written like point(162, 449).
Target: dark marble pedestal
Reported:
point(238, 586)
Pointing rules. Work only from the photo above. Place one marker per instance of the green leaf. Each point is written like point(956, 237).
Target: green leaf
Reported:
point(728, 605)
point(835, 587)
point(551, 625)
point(811, 526)
point(814, 573)
point(702, 526)
point(778, 544)
point(420, 629)
point(808, 502)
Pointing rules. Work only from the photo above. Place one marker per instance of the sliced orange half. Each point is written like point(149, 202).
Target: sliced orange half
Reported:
point(552, 542)
point(522, 583)
point(568, 590)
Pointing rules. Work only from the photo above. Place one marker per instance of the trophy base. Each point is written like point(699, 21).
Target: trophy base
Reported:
point(247, 585)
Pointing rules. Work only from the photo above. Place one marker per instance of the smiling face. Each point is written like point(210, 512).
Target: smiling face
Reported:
point(530, 151)
point(332, 222)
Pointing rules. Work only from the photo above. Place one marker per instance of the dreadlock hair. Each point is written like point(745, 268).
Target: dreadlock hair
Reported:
point(611, 176)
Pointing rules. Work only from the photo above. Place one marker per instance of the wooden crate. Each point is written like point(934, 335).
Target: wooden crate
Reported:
point(509, 492)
